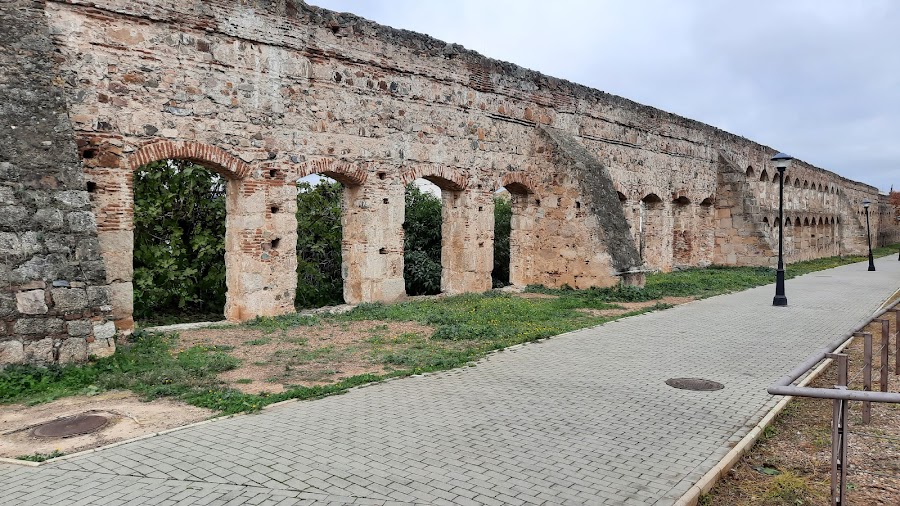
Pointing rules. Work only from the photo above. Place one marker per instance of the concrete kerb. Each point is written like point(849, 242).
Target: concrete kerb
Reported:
point(708, 480)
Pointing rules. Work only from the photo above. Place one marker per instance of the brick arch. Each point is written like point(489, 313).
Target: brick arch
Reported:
point(211, 157)
point(517, 182)
point(344, 172)
point(446, 178)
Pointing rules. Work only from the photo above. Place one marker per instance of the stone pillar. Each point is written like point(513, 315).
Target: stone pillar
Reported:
point(260, 247)
point(521, 242)
point(372, 244)
point(467, 235)
point(54, 300)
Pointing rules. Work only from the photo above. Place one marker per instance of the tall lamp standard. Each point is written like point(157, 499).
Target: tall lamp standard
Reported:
point(898, 222)
point(782, 162)
point(866, 204)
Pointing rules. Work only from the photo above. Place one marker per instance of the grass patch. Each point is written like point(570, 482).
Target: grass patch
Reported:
point(147, 364)
point(467, 327)
point(41, 457)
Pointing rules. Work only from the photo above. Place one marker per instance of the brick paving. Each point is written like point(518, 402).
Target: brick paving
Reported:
point(583, 418)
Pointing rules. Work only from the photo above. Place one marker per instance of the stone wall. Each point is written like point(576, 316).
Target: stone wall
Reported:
point(53, 296)
point(265, 92)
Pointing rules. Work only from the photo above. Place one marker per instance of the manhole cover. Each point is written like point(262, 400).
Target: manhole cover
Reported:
point(71, 426)
point(703, 385)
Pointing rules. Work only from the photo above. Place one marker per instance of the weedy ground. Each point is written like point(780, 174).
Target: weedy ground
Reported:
point(315, 356)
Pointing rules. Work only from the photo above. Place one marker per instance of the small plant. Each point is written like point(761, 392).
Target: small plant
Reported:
point(769, 432)
point(258, 342)
point(788, 489)
point(244, 381)
point(41, 457)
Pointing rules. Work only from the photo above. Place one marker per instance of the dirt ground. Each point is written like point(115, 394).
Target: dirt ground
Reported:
point(128, 418)
point(305, 356)
point(627, 307)
point(791, 463)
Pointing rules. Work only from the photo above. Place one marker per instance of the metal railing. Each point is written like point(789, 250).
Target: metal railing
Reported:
point(841, 394)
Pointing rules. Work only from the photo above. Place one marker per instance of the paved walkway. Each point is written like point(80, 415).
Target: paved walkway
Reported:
point(583, 418)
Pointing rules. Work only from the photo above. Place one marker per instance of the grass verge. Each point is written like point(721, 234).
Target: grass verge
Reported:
point(467, 327)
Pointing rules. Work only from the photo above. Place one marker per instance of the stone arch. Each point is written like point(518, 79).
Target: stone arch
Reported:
point(466, 247)
point(355, 223)
point(764, 176)
point(797, 182)
point(345, 173)
point(117, 231)
point(750, 171)
point(211, 157)
point(805, 184)
point(517, 182)
point(521, 225)
point(446, 178)
point(622, 198)
point(775, 178)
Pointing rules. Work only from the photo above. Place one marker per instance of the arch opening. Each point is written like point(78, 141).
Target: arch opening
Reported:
point(180, 225)
point(423, 250)
point(321, 204)
point(511, 234)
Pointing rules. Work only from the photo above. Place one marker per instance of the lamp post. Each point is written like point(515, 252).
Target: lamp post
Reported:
point(866, 204)
point(898, 223)
point(782, 162)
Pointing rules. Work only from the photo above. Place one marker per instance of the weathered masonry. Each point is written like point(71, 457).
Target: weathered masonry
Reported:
point(264, 92)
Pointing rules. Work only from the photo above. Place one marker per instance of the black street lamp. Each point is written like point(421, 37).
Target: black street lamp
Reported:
point(782, 162)
point(898, 222)
point(869, 234)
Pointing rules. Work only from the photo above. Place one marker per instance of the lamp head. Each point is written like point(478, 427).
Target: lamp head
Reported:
point(782, 161)
point(866, 203)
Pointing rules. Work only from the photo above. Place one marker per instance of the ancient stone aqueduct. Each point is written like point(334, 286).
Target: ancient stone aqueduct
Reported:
point(264, 92)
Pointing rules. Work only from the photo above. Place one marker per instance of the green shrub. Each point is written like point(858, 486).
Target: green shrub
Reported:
point(179, 239)
point(422, 242)
point(319, 233)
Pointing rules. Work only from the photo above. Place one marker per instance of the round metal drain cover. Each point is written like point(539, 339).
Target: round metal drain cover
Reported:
point(71, 426)
point(703, 385)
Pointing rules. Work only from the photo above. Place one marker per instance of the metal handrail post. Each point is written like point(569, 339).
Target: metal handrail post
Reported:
point(867, 376)
point(839, 435)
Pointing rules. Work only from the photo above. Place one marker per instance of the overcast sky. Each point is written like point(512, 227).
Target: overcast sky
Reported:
point(817, 79)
